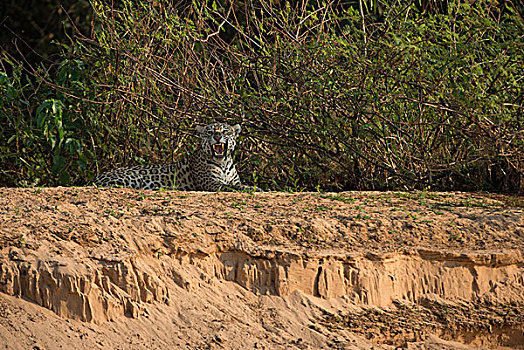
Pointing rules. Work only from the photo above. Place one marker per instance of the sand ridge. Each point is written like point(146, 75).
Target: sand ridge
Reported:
point(262, 270)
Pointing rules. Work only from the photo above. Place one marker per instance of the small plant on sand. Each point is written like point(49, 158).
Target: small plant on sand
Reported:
point(22, 241)
point(157, 252)
point(453, 237)
point(322, 208)
point(337, 197)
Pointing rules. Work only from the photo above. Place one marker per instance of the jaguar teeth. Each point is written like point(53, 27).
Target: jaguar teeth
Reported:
point(218, 148)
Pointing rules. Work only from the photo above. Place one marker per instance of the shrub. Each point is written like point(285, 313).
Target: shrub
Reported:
point(334, 96)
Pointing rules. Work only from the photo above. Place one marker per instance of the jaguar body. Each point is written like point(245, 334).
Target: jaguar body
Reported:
point(209, 168)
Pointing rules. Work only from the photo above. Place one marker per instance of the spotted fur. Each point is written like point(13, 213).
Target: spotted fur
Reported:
point(209, 168)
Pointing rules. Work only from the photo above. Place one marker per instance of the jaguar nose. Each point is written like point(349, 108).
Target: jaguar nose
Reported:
point(217, 137)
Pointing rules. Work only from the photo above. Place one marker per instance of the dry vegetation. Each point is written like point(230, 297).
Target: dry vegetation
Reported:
point(338, 95)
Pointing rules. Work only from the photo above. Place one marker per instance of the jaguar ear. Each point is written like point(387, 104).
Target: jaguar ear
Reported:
point(236, 128)
point(200, 129)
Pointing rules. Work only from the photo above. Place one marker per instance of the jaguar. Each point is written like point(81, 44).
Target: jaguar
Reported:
point(209, 168)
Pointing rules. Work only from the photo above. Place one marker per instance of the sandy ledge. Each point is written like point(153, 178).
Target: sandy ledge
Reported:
point(89, 268)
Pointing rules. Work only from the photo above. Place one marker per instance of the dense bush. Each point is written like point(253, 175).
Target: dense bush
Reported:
point(331, 96)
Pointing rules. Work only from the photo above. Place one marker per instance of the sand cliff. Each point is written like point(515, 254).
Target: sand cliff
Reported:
point(118, 268)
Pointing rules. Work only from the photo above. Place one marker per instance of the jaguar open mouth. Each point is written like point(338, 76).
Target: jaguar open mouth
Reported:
point(219, 150)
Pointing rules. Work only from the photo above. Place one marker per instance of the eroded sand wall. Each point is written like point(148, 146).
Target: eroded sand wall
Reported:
point(92, 291)
point(99, 290)
point(371, 279)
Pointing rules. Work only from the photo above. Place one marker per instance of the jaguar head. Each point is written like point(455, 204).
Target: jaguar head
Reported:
point(218, 140)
